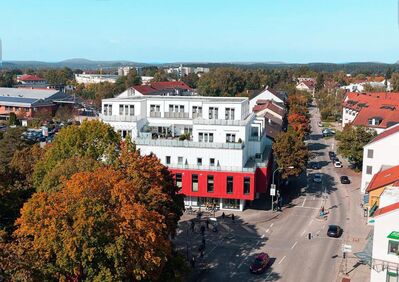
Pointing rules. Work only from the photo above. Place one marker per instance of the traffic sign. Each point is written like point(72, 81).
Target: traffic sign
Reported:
point(273, 190)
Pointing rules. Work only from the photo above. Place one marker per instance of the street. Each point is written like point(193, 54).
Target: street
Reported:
point(285, 235)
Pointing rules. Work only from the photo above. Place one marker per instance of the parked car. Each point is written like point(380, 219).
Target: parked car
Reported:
point(337, 163)
point(345, 179)
point(334, 231)
point(328, 132)
point(316, 166)
point(260, 263)
point(317, 178)
point(331, 154)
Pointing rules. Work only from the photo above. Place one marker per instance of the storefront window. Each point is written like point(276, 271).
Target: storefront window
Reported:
point(194, 182)
point(210, 183)
point(229, 184)
point(247, 185)
point(231, 204)
point(393, 247)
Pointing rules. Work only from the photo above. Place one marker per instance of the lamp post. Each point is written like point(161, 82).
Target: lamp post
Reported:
point(274, 185)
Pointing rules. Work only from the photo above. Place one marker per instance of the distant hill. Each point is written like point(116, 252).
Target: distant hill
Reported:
point(81, 63)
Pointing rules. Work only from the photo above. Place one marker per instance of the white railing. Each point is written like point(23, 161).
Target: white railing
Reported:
point(155, 114)
point(176, 115)
point(213, 168)
point(187, 144)
point(120, 118)
point(226, 122)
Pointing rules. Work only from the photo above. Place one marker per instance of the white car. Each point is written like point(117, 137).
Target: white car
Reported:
point(317, 178)
point(338, 164)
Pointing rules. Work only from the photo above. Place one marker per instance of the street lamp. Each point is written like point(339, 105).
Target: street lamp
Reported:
point(273, 186)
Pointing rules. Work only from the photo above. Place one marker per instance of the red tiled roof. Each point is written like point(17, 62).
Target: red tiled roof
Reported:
point(310, 84)
point(388, 132)
point(386, 209)
point(384, 178)
point(29, 77)
point(269, 105)
point(159, 86)
point(369, 105)
point(170, 85)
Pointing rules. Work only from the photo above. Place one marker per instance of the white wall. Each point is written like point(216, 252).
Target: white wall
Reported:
point(383, 226)
point(386, 152)
point(265, 95)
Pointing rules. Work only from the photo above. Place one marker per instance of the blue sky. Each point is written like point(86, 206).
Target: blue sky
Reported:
point(295, 31)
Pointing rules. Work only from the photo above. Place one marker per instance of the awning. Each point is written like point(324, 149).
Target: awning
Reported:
point(366, 255)
point(394, 235)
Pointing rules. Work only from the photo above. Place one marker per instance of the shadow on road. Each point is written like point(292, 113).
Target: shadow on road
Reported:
point(228, 252)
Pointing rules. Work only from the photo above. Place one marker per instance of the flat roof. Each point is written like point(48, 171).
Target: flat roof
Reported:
point(198, 98)
point(27, 93)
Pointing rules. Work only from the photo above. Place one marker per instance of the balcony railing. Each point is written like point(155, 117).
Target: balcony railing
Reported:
point(213, 168)
point(187, 144)
point(120, 118)
point(155, 114)
point(226, 122)
point(176, 115)
point(197, 115)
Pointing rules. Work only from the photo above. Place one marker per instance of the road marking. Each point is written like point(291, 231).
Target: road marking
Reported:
point(306, 207)
point(271, 225)
point(293, 246)
point(267, 230)
point(282, 260)
point(303, 233)
point(304, 202)
point(263, 236)
point(242, 262)
point(310, 222)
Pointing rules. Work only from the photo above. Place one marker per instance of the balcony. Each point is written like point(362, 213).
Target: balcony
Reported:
point(146, 141)
point(120, 118)
point(155, 114)
point(213, 168)
point(176, 115)
point(225, 122)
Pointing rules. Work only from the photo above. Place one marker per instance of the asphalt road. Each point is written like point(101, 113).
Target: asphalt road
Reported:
point(284, 235)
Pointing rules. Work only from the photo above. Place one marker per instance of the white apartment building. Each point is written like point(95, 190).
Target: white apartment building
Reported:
point(95, 78)
point(202, 140)
point(385, 254)
point(381, 152)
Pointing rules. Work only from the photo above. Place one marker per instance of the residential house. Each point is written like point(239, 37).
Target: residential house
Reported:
point(382, 151)
point(274, 115)
point(87, 78)
point(279, 97)
point(31, 81)
point(306, 85)
point(373, 110)
point(382, 180)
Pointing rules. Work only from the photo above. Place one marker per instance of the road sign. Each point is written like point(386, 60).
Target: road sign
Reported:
point(346, 248)
point(273, 190)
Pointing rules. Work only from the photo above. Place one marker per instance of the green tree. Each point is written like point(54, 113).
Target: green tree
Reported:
point(191, 80)
point(319, 82)
point(13, 119)
point(93, 139)
point(351, 142)
point(395, 81)
point(290, 151)
point(160, 76)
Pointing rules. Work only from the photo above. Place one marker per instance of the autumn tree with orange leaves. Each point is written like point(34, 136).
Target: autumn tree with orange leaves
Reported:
point(110, 224)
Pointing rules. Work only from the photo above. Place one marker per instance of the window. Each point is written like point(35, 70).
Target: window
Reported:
point(230, 138)
point(205, 137)
point(210, 185)
point(229, 113)
point(179, 180)
point(155, 108)
point(393, 247)
point(392, 276)
point(199, 161)
point(125, 110)
point(180, 160)
point(370, 153)
point(212, 162)
point(247, 185)
point(131, 110)
point(167, 159)
point(213, 112)
point(194, 182)
point(369, 169)
point(107, 111)
point(197, 110)
point(229, 185)
point(120, 110)
point(176, 108)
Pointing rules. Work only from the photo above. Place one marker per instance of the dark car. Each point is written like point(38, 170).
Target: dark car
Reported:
point(260, 263)
point(345, 179)
point(331, 155)
point(334, 231)
point(316, 166)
